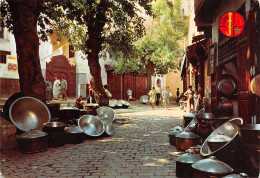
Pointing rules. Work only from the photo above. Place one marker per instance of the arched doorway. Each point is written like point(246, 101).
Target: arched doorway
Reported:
point(60, 67)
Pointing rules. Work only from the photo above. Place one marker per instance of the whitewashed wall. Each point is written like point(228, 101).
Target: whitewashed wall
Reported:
point(8, 44)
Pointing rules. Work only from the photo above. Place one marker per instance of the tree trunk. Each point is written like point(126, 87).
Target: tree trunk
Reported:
point(149, 73)
point(96, 79)
point(94, 44)
point(25, 14)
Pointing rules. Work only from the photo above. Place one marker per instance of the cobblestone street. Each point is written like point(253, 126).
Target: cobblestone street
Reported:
point(139, 148)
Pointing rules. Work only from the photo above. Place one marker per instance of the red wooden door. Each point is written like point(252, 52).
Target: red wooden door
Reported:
point(128, 83)
point(60, 67)
point(140, 86)
point(114, 85)
point(119, 84)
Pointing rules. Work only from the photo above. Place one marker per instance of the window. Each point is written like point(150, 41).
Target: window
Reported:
point(227, 48)
point(3, 59)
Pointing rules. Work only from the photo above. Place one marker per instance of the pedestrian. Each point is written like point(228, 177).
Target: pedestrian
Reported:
point(48, 91)
point(91, 98)
point(129, 94)
point(158, 94)
point(56, 88)
point(189, 94)
point(79, 104)
point(177, 94)
point(166, 94)
point(196, 96)
point(196, 100)
point(152, 94)
point(64, 87)
point(107, 92)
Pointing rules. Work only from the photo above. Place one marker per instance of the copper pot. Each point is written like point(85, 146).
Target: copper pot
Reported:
point(172, 135)
point(54, 127)
point(184, 162)
point(74, 135)
point(203, 129)
point(227, 85)
point(226, 107)
point(185, 140)
point(187, 119)
point(32, 142)
point(210, 167)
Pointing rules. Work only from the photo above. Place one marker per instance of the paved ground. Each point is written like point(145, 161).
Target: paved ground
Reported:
point(139, 148)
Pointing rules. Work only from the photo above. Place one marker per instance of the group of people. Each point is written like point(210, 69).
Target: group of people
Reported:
point(192, 98)
point(58, 90)
point(156, 94)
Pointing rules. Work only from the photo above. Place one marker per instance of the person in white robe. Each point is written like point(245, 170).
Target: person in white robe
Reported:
point(56, 88)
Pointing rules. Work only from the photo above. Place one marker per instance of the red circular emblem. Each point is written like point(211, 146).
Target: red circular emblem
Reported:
point(231, 24)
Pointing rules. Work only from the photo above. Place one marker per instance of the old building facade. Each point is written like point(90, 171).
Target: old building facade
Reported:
point(225, 66)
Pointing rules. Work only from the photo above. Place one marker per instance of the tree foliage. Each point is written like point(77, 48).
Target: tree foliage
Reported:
point(97, 25)
point(91, 26)
point(161, 42)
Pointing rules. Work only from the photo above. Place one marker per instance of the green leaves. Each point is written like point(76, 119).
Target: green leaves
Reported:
point(161, 43)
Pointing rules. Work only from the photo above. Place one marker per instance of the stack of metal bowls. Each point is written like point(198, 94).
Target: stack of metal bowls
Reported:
point(125, 104)
point(91, 125)
point(107, 115)
point(118, 103)
point(102, 124)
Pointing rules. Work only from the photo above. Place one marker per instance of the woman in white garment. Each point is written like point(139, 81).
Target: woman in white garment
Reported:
point(56, 88)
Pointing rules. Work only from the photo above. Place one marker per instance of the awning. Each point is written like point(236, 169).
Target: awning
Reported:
point(195, 50)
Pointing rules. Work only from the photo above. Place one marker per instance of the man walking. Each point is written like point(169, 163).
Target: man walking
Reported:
point(158, 94)
point(64, 88)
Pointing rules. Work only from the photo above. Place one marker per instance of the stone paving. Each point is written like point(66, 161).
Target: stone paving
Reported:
point(139, 148)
